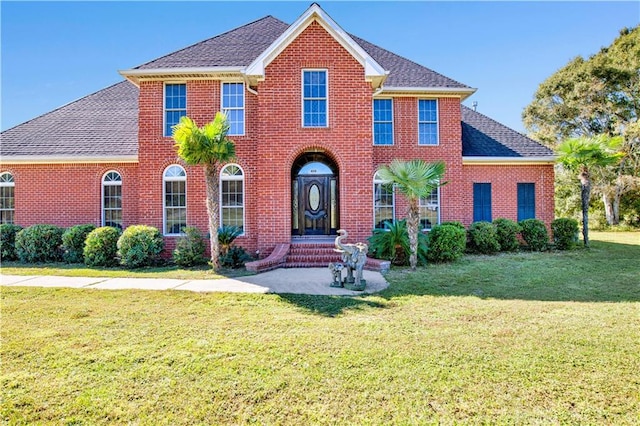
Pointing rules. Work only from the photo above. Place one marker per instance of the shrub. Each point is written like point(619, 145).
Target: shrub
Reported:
point(226, 236)
point(234, 258)
point(508, 231)
point(100, 247)
point(73, 243)
point(8, 241)
point(565, 233)
point(455, 223)
point(39, 243)
point(535, 234)
point(392, 243)
point(483, 237)
point(140, 245)
point(446, 243)
point(190, 248)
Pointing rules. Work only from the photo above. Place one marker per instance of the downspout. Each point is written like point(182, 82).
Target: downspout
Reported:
point(247, 84)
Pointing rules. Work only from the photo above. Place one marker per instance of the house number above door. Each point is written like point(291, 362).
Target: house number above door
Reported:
point(314, 197)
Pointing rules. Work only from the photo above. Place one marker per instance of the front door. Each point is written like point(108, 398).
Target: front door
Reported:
point(314, 205)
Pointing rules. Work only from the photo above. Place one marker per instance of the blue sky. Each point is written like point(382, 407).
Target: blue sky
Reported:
point(56, 52)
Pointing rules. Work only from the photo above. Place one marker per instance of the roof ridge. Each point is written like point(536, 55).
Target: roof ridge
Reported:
point(65, 105)
point(210, 38)
point(406, 59)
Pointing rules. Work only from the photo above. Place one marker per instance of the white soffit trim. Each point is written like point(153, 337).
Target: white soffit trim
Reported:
point(463, 92)
point(136, 75)
point(373, 70)
point(66, 159)
point(505, 161)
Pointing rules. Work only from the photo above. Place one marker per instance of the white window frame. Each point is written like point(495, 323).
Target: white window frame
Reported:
point(437, 122)
point(110, 183)
point(326, 99)
point(378, 181)
point(244, 194)
point(164, 104)
point(10, 183)
point(243, 108)
point(373, 124)
point(422, 204)
point(164, 196)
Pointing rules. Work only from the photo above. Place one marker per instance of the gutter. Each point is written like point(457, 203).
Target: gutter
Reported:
point(504, 161)
point(66, 159)
point(463, 92)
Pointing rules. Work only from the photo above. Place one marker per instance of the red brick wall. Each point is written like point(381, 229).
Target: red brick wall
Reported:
point(69, 194)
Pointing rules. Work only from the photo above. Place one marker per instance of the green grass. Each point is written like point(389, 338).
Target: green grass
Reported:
point(528, 338)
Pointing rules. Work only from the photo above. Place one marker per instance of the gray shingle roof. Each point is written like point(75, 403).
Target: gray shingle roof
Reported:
point(103, 124)
point(238, 47)
point(484, 137)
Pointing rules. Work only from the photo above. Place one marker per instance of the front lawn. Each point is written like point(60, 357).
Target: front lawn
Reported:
point(521, 338)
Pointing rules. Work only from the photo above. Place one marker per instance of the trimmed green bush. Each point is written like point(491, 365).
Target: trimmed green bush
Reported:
point(483, 237)
point(73, 243)
point(8, 241)
point(565, 233)
point(140, 245)
point(235, 258)
point(446, 242)
point(190, 248)
point(535, 234)
point(392, 243)
point(100, 247)
point(39, 243)
point(508, 231)
point(455, 223)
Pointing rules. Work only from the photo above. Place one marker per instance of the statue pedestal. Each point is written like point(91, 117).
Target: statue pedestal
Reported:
point(353, 286)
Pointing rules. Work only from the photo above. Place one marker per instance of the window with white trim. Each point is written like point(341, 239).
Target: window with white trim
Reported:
point(232, 196)
point(112, 199)
point(383, 203)
point(175, 105)
point(7, 198)
point(383, 121)
point(314, 98)
point(427, 122)
point(174, 200)
point(430, 210)
point(233, 107)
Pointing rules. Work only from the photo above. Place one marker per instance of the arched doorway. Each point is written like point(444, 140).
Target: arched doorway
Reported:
point(314, 187)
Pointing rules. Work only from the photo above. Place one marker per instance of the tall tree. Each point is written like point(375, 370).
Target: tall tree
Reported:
point(583, 156)
point(207, 146)
point(596, 96)
point(414, 179)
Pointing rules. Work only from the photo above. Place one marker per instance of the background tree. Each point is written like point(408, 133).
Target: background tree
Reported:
point(584, 155)
point(207, 146)
point(414, 179)
point(596, 96)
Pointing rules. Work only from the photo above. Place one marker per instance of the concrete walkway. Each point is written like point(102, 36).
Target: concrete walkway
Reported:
point(314, 281)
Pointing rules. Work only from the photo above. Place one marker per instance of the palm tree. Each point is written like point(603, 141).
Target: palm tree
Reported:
point(208, 146)
point(582, 155)
point(414, 179)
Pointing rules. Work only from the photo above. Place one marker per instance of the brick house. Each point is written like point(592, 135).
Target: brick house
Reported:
point(313, 112)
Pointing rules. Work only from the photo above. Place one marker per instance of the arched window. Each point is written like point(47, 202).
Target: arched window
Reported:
point(383, 203)
point(7, 198)
point(112, 199)
point(232, 196)
point(175, 200)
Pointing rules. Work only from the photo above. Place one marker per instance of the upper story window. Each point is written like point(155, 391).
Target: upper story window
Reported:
point(383, 203)
point(112, 200)
point(175, 200)
point(430, 210)
point(314, 98)
point(175, 105)
point(7, 198)
point(232, 196)
point(427, 122)
point(383, 122)
point(233, 107)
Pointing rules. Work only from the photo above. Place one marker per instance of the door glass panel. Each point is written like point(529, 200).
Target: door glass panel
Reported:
point(314, 197)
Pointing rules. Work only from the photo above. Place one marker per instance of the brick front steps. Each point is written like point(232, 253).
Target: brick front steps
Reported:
point(307, 255)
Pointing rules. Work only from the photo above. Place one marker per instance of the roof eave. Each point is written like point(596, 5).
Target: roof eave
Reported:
point(137, 75)
point(480, 160)
point(67, 159)
point(374, 72)
point(462, 92)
